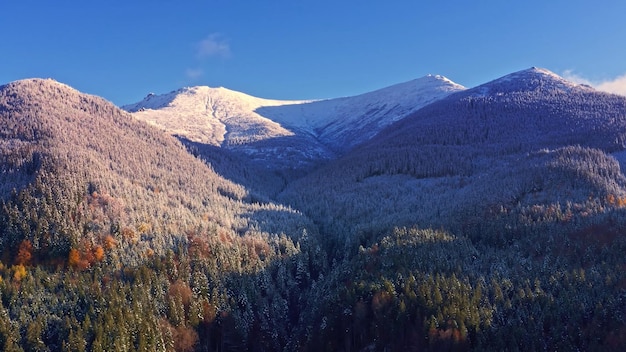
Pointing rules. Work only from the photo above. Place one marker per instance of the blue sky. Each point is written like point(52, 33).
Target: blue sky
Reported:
point(302, 49)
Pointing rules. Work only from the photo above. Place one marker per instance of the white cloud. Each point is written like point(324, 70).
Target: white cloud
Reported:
point(213, 46)
point(576, 78)
point(616, 85)
point(194, 73)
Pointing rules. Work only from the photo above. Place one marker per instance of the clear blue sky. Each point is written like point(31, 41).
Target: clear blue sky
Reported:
point(302, 49)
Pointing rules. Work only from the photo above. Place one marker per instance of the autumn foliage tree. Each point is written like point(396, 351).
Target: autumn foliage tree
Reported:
point(24, 253)
point(86, 256)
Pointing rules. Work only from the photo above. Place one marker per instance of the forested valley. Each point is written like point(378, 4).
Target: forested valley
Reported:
point(492, 219)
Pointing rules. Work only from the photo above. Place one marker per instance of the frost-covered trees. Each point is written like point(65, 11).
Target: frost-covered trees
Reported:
point(78, 169)
point(115, 237)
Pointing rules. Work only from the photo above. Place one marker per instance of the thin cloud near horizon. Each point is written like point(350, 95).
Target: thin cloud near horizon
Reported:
point(616, 85)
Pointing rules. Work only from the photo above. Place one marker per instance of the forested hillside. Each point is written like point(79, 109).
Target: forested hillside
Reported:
point(101, 219)
point(514, 213)
point(491, 219)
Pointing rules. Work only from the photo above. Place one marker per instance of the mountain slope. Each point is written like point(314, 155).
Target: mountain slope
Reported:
point(214, 116)
point(527, 139)
point(532, 108)
point(520, 175)
point(285, 134)
point(76, 168)
point(343, 123)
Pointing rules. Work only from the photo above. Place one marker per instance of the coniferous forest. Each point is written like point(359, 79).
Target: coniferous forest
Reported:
point(491, 219)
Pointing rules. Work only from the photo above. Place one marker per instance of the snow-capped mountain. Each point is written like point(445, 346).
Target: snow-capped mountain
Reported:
point(228, 119)
point(286, 133)
point(529, 109)
point(534, 78)
point(528, 139)
point(215, 116)
point(345, 122)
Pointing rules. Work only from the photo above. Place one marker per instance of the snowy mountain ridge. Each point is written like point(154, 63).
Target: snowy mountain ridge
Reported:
point(215, 116)
point(343, 123)
point(317, 129)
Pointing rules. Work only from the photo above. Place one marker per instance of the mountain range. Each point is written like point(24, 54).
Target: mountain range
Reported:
point(421, 216)
point(286, 134)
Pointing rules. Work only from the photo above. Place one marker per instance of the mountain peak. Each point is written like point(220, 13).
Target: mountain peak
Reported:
point(540, 70)
point(48, 89)
point(413, 87)
point(532, 73)
point(439, 78)
point(40, 82)
point(537, 72)
point(202, 97)
point(531, 79)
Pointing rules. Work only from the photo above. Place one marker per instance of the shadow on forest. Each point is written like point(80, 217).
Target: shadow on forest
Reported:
point(262, 174)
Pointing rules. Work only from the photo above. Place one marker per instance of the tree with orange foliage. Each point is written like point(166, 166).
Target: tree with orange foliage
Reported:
point(78, 261)
point(74, 258)
point(85, 258)
point(98, 253)
point(109, 242)
point(185, 339)
point(182, 291)
point(616, 200)
point(610, 199)
point(24, 253)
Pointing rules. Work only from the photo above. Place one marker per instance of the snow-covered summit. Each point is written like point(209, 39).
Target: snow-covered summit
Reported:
point(226, 118)
point(49, 87)
point(215, 116)
point(41, 81)
point(200, 94)
point(345, 122)
point(534, 78)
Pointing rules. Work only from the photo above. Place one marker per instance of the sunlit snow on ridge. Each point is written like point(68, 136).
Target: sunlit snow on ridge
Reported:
point(222, 117)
